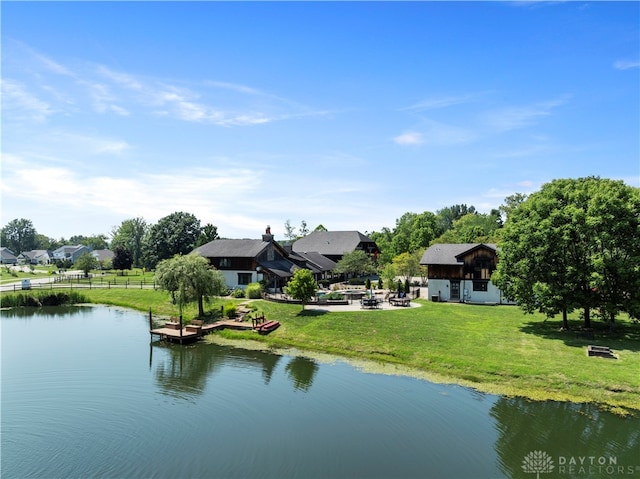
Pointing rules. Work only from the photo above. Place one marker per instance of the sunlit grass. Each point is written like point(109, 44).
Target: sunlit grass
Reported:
point(496, 349)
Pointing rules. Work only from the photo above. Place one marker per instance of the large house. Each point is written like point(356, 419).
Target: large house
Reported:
point(462, 272)
point(71, 253)
point(36, 256)
point(7, 256)
point(335, 244)
point(245, 261)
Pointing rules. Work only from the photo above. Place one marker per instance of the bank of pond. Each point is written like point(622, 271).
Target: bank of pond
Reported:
point(87, 394)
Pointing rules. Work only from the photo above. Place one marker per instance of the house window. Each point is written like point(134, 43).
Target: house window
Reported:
point(225, 263)
point(244, 278)
point(480, 285)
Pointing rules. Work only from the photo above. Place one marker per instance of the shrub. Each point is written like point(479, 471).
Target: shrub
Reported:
point(333, 295)
point(237, 293)
point(41, 299)
point(230, 311)
point(356, 281)
point(254, 291)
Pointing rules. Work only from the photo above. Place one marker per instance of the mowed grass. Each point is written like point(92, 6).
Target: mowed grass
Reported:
point(495, 349)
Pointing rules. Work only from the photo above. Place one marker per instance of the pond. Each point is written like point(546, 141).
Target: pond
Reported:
point(86, 394)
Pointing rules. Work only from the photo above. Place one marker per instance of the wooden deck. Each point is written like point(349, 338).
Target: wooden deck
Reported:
point(192, 332)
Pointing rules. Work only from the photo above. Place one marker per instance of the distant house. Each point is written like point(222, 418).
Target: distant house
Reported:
point(103, 255)
point(71, 253)
point(335, 244)
point(462, 272)
point(36, 256)
point(7, 256)
point(245, 261)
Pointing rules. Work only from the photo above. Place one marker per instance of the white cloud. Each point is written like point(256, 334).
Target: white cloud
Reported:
point(409, 138)
point(626, 64)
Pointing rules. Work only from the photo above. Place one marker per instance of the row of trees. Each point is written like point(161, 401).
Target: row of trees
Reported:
point(19, 235)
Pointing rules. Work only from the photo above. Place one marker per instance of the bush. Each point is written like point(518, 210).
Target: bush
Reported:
point(230, 311)
point(41, 299)
point(356, 281)
point(333, 295)
point(254, 291)
point(237, 293)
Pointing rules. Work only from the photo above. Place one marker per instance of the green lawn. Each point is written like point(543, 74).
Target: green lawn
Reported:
point(496, 349)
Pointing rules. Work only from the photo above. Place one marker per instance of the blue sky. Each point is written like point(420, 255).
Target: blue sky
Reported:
point(341, 114)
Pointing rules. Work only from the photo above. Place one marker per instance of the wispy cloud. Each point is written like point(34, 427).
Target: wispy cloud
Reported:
point(626, 64)
point(438, 102)
point(19, 103)
point(108, 91)
point(516, 117)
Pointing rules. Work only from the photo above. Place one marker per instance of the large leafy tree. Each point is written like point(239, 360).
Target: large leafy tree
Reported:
point(302, 286)
point(357, 263)
point(407, 265)
point(575, 244)
point(86, 263)
point(189, 278)
point(209, 233)
point(473, 228)
point(19, 235)
point(174, 234)
point(446, 216)
point(130, 235)
point(94, 242)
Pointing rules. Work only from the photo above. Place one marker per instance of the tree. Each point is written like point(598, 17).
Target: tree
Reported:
point(446, 216)
point(302, 286)
point(304, 230)
point(174, 234)
point(130, 234)
point(289, 231)
point(86, 263)
point(472, 228)
point(573, 245)
point(407, 265)
point(357, 263)
point(93, 242)
point(19, 235)
point(208, 234)
point(189, 278)
point(122, 258)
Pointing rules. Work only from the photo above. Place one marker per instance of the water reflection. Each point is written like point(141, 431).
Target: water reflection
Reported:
point(183, 371)
point(48, 311)
point(564, 431)
point(301, 371)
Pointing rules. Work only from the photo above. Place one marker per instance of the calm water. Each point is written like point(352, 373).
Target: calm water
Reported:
point(85, 394)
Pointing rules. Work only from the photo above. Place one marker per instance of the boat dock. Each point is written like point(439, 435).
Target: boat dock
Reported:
point(174, 330)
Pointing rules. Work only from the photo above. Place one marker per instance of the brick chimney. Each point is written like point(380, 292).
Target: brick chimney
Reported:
point(267, 236)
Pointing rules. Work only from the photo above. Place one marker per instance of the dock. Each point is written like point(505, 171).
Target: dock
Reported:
point(174, 331)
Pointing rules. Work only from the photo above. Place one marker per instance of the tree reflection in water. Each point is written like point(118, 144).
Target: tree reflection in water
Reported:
point(301, 371)
point(563, 430)
point(186, 369)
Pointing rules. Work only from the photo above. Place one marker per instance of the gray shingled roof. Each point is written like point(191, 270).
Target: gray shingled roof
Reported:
point(232, 248)
point(330, 242)
point(315, 261)
point(448, 253)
